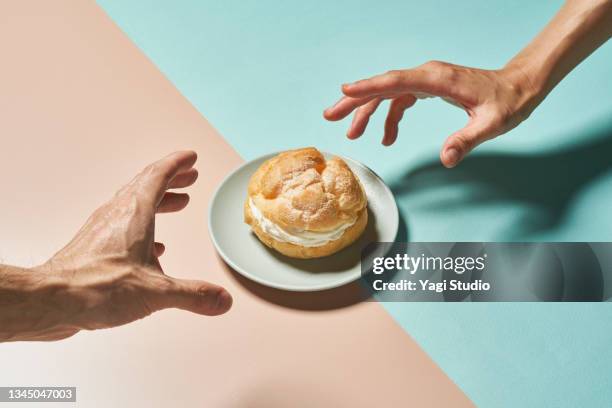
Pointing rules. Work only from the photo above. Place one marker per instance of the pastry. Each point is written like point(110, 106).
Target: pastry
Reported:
point(305, 206)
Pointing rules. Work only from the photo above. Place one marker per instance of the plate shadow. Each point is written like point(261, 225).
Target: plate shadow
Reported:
point(329, 299)
point(322, 300)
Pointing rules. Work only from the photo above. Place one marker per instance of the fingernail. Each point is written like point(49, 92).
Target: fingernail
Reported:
point(345, 86)
point(224, 300)
point(451, 156)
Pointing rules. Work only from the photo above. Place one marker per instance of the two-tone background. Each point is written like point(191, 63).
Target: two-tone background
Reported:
point(90, 93)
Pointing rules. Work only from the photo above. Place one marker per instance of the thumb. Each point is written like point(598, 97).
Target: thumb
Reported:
point(460, 143)
point(195, 296)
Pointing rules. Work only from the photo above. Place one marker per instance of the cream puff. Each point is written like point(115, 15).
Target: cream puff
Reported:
point(305, 206)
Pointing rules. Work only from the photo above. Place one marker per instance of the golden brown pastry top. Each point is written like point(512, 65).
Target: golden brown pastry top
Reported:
point(300, 190)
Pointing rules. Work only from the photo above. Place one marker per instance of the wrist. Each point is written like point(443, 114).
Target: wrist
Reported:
point(28, 309)
point(83, 292)
point(48, 296)
point(57, 293)
point(528, 87)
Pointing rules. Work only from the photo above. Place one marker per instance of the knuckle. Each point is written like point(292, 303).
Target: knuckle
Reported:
point(502, 117)
point(464, 143)
point(166, 284)
point(436, 65)
point(148, 171)
point(151, 168)
point(442, 76)
point(432, 63)
point(394, 77)
point(208, 297)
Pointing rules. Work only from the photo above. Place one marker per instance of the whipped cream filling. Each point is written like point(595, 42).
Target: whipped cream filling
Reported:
point(303, 238)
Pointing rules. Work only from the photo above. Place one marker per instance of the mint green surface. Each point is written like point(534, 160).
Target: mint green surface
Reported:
point(262, 72)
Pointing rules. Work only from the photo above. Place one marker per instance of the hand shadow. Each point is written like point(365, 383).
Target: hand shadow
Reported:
point(548, 182)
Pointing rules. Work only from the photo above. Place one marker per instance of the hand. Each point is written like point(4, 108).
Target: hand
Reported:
point(495, 101)
point(110, 273)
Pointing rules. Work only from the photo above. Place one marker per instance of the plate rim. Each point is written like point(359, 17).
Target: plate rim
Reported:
point(264, 282)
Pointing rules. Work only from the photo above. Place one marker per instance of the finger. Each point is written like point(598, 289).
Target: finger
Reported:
point(387, 84)
point(172, 202)
point(394, 116)
point(184, 179)
point(343, 107)
point(194, 296)
point(156, 177)
point(361, 118)
point(158, 249)
point(460, 143)
point(433, 78)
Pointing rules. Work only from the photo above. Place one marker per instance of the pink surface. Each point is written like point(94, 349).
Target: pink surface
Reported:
point(81, 110)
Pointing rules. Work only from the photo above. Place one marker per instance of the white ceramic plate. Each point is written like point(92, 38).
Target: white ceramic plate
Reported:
point(241, 249)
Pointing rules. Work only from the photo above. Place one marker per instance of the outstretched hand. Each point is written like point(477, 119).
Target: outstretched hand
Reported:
point(110, 273)
point(495, 101)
